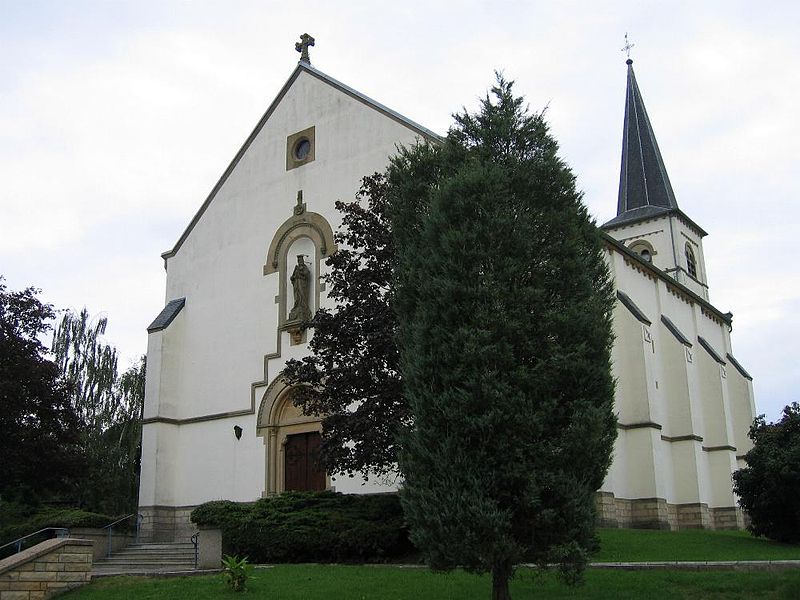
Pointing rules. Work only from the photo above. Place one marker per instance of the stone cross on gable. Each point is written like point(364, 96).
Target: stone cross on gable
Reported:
point(302, 47)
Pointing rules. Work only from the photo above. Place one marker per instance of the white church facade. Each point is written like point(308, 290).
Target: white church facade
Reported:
point(219, 423)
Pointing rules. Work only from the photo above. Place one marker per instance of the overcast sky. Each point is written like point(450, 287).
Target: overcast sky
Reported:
point(117, 118)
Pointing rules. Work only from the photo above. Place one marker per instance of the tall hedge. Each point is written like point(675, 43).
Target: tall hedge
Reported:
point(311, 527)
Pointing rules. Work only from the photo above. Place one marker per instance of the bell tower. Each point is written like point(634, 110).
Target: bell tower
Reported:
point(649, 221)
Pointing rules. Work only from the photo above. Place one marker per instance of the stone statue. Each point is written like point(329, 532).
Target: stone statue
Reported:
point(301, 286)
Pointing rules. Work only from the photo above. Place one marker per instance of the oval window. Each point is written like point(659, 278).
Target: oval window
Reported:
point(302, 149)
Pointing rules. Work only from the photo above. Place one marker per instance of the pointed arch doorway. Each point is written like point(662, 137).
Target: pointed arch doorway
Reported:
point(292, 442)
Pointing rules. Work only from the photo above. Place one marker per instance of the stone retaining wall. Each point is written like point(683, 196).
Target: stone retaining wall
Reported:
point(99, 537)
point(46, 569)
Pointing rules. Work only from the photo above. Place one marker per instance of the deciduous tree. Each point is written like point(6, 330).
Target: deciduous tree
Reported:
point(109, 409)
point(769, 486)
point(351, 375)
point(39, 430)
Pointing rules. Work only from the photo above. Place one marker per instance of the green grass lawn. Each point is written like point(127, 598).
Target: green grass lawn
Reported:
point(311, 582)
point(327, 582)
point(640, 545)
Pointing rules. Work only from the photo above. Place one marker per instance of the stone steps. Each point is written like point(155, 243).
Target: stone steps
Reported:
point(140, 559)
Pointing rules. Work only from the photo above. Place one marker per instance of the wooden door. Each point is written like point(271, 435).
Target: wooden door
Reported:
point(302, 469)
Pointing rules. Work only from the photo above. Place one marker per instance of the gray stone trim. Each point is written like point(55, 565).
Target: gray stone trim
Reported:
point(631, 306)
point(167, 315)
point(670, 282)
point(182, 507)
point(309, 134)
point(682, 438)
point(710, 350)
point(315, 223)
point(201, 418)
point(673, 329)
point(634, 216)
point(719, 448)
point(738, 367)
point(425, 133)
point(642, 425)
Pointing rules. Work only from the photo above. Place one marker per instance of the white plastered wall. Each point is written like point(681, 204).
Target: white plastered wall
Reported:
point(216, 347)
point(677, 387)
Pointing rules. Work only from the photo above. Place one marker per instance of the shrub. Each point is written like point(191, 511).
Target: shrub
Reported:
point(769, 486)
point(311, 527)
point(17, 520)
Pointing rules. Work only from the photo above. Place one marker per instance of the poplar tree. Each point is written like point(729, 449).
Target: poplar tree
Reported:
point(503, 302)
point(109, 408)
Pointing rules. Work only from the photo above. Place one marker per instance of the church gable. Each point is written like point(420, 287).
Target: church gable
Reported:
point(289, 99)
point(272, 212)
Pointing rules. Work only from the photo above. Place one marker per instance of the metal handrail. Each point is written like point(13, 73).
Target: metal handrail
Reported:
point(110, 527)
point(125, 518)
point(194, 539)
point(19, 541)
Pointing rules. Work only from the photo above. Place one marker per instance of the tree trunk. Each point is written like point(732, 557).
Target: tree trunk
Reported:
point(501, 574)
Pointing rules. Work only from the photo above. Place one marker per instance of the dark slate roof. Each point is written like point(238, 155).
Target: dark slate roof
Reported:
point(710, 350)
point(675, 331)
point(643, 180)
point(166, 316)
point(739, 367)
point(631, 306)
point(637, 214)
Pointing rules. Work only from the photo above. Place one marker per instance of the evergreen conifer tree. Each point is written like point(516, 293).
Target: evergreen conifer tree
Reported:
point(504, 304)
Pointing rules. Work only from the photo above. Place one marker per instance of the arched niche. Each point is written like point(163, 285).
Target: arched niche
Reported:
point(279, 418)
point(301, 225)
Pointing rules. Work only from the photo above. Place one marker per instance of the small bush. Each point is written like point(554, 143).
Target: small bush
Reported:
point(235, 571)
point(311, 527)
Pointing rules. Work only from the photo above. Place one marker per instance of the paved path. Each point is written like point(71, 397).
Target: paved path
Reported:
point(702, 565)
point(683, 565)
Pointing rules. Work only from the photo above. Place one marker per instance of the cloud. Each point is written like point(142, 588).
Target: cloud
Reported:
point(119, 118)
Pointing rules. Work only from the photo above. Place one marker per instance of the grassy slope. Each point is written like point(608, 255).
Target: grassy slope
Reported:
point(318, 582)
point(311, 582)
point(636, 545)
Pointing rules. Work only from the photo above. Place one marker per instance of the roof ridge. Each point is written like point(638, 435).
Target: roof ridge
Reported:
point(314, 72)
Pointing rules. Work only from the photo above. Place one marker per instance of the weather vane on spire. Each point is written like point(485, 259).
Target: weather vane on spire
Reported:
point(627, 47)
point(302, 47)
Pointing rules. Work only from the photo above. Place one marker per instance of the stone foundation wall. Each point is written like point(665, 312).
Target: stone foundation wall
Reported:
point(173, 524)
point(656, 513)
point(728, 517)
point(166, 524)
point(46, 569)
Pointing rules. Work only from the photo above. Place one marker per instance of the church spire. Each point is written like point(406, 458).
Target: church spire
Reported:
point(644, 187)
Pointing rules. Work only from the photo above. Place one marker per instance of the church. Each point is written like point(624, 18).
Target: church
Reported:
point(218, 420)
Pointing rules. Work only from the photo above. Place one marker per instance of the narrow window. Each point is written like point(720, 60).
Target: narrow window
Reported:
point(691, 263)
